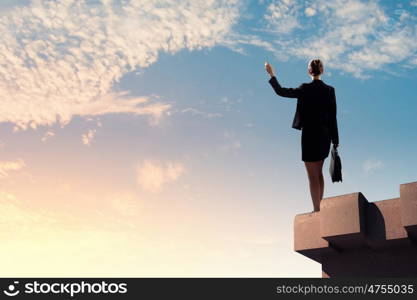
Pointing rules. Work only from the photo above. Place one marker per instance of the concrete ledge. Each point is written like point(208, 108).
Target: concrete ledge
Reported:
point(307, 239)
point(353, 237)
point(384, 227)
point(342, 221)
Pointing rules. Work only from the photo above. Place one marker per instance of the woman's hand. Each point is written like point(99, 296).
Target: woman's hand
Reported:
point(269, 69)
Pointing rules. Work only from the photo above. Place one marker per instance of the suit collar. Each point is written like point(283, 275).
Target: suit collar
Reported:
point(316, 81)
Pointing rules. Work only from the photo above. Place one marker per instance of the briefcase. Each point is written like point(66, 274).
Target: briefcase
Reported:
point(335, 166)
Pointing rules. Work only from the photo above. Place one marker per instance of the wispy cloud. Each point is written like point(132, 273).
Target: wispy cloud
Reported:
point(195, 111)
point(282, 16)
point(88, 137)
point(353, 36)
point(152, 175)
point(62, 58)
point(47, 136)
point(13, 165)
point(371, 165)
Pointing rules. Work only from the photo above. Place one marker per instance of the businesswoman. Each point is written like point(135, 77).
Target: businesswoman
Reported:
point(315, 116)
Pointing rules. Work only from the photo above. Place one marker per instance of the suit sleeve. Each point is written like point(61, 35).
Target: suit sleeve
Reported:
point(333, 119)
point(284, 92)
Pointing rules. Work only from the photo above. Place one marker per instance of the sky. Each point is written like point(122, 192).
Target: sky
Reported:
point(142, 138)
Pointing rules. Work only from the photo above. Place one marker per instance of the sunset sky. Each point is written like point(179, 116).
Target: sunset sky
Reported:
point(142, 138)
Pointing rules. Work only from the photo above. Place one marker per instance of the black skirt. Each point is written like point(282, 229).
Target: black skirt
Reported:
point(315, 143)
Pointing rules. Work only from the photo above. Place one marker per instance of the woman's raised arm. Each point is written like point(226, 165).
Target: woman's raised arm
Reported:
point(285, 92)
point(279, 90)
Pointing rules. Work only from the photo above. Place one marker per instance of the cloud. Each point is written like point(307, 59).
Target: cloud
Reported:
point(195, 111)
point(88, 137)
point(310, 11)
point(152, 175)
point(47, 136)
point(353, 36)
point(13, 165)
point(61, 59)
point(282, 16)
point(371, 165)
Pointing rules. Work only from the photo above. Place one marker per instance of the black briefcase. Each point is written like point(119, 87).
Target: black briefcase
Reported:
point(335, 166)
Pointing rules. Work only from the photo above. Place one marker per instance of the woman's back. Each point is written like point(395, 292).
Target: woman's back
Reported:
point(317, 104)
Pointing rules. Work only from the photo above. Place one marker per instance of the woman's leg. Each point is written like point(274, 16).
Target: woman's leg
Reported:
point(321, 179)
point(315, 178)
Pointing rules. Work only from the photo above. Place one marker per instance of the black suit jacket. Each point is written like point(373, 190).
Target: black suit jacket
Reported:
point(316, 105)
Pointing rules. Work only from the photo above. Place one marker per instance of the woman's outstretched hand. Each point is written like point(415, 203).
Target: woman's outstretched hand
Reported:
point(269, 69)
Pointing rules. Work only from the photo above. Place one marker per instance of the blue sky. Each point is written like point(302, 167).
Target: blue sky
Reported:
point(152, 128)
